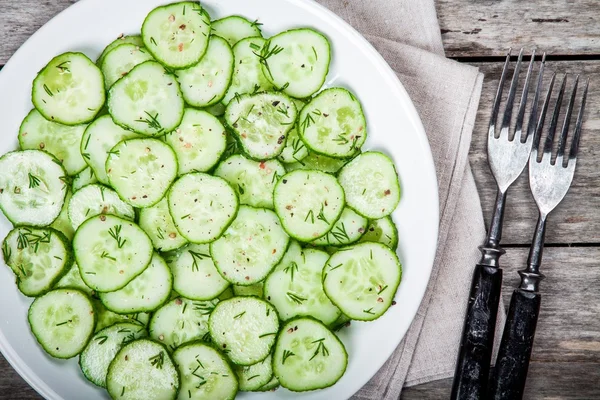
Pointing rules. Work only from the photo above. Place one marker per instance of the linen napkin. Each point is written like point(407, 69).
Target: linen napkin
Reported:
point(446, 95)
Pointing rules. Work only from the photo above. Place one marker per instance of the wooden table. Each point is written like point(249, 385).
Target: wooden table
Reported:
point(566, 357)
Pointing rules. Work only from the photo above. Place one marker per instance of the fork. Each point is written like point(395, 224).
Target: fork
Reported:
point(507, 158)
point(549, 181)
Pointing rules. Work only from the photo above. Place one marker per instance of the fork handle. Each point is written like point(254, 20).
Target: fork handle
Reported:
point(508, 381)
point(475, 353)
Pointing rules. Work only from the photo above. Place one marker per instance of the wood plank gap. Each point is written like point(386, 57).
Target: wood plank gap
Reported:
point(527, 57)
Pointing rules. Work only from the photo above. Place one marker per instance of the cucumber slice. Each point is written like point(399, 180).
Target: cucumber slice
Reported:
point(253, 181)
point(32, 187)
point(158, 224)
point(216, 109)
point(205, 373)
point(147, 100)
point(194, 273)
point(69, 90)
point(252, 290)
point(177, 34)
point(308, 202)
point(318, 162)
point(181, 321)
point(347, 230)
point(62, 321)
point(233, 146)
point(131, 39)
point(104, 346)
point(362, 280)
point(202, 206)
point(235, 28)
point(261, 123)
point(247, 74)
point(227, 294)
point(141, 170)
point(295, 288)
point(38, 257)
point(99, 138)
point(244, 328)
point(308, 356)
point(343, 321)
point(271, 386)
point(371, 185)
point(119, 61)
point(144, 293)
point(297, 60)
point(107, 318)
point(110, 252)
point(253, 377)
point(72, 279)
point(198, 142)
point(62, 141)
point(383, 231)
point(206, 83)
point(294, 151)
point(142, 369)
point(62, 223)
point(95, 200)
point(251, 246)
point(84, 178)
point(333, 124)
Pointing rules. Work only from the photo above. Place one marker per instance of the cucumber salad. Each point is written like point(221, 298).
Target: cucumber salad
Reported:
point(194, 214)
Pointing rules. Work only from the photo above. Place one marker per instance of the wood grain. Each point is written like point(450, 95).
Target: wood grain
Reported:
point(490, 27)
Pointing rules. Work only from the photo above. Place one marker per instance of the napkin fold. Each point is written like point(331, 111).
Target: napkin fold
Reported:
point(446, 95)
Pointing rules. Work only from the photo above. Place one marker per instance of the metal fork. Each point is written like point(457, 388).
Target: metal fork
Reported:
point(549, 181)
point(507, 157)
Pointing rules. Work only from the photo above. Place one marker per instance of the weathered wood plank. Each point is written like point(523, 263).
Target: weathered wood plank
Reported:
point(12, 386)
point(486, 28)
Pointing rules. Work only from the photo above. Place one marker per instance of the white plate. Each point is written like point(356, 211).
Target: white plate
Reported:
point(393, 127)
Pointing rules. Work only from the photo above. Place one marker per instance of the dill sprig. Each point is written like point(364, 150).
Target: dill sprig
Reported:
point(115, 233)
point(321, 215)
point(267, 52)
point(107, 255)
point(197, 257)
point(158, 360)
point(151, 121)
point(34, 181)
point(295, 298)
point(286, 354)
point(293, 267)
point(320, 349)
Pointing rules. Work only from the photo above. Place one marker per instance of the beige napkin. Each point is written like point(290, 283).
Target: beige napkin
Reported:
point(446, 95)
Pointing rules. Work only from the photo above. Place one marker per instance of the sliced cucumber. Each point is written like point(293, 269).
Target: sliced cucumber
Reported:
point(147, 100)
point(371, 185)
point(69, 89)
point(294, 151)
point(38, 257)
point(131, 39)
point(144, 293)
point(62, 321)
point(198, 142)
point(383, 231)
point(295, 288)
point(141, 170)
point(251, 246)
point(308, 202)
point(297, 60)
point(348, 229)
point(253, 181)
point(319, 162)
point(32, 187)
point(72, 279)
point(99, 138)
point(362, 280)
point(244, 328)
point(107, 318)
point(194, 273)
point(247, 73)
point(252, 290)
point(158, 224)
point(110, 252)
point(84, 178)
point(62, 223)
point(142, 369)
point(119, 61)
point(235, 28)
point(217, 109)
point(202, 206)
point(206, 83)
point(343, 321)
point(62, 141)
point(205, 373)
point(181, 321)
point(333, 124)
point(177, 34)
point(227, 294)
point(253, 377)
point(104, 346)
point(271, 386)
point(96, 199)
point(308, 356)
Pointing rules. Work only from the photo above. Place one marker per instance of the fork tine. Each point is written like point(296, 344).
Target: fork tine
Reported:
point(511, 97)
point(523, 103)
point(534, 108)
point(565, 128)
point(498, 98)
point(555, 115)
point(577, 135)
point(540, 123)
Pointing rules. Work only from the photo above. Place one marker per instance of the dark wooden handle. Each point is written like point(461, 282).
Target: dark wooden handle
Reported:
point(508, 380)
point(475, 353)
